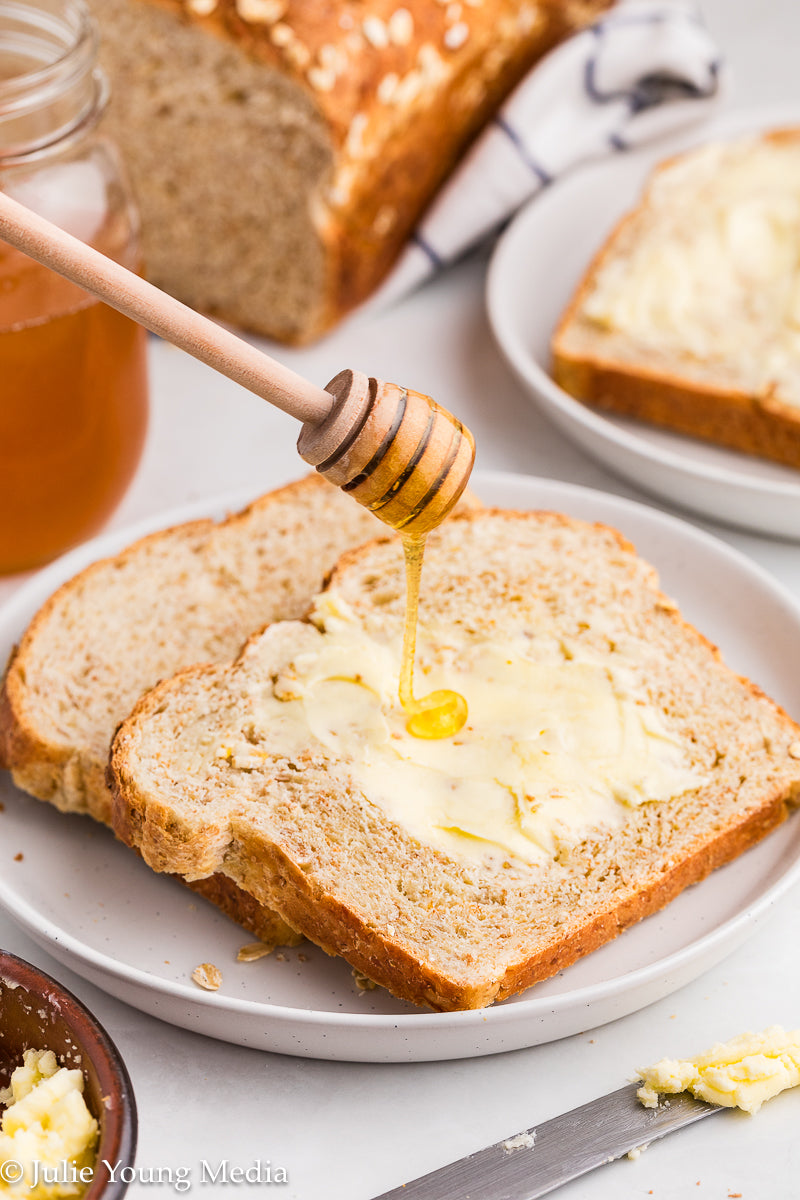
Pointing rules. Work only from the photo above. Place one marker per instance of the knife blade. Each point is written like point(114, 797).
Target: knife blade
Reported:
point(552, 1153)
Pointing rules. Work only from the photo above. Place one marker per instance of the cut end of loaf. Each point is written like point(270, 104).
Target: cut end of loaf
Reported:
point(282, 154)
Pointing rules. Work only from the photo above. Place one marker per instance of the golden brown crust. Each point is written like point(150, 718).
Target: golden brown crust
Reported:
point(42, 765)
point(37, 761)
point(24, 748)
point(654, 895)
point(755, 424)
point(409, 167)
point(245, 910)
point(273, 878)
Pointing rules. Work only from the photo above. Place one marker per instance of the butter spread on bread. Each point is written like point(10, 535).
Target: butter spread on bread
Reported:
point(690, 315)
point(297, 824)
point(557, 742)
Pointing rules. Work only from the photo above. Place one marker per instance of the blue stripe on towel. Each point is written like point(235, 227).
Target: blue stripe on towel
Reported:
point(651, 90)
point(428, 250)
point(543, 176)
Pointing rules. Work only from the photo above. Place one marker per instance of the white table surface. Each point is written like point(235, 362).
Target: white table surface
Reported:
point(350, 1131)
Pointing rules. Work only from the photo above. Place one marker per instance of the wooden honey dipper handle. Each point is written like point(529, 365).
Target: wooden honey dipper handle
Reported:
point(394, 450)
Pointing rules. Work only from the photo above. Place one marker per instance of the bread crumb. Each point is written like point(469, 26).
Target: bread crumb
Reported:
point(363, 982)
point(2, 806)
point(637, 1151)
point(207, 976)
point(302, 958)
point(253, 951)
point(18, 857)
point(280, 958)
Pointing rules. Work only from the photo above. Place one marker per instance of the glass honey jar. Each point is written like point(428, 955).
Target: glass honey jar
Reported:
point(73, 383)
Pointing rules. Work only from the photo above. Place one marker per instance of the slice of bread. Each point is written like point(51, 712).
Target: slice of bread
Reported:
point(212, 773)
point(689, 316)
point(189, 594)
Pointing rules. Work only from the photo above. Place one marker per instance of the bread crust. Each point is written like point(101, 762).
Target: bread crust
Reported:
point(39, 763)
point(388, 154)
point(72, 779)
point(266, 869)
point(753, 423)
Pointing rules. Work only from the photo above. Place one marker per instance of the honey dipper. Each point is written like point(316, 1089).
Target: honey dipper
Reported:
point(392, 449)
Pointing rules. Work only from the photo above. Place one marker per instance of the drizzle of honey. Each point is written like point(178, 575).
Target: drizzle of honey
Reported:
point(442, 713)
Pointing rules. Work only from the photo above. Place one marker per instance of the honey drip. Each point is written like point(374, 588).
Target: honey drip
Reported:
point(439, 714)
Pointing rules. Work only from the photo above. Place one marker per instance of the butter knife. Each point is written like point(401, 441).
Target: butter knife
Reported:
point(541, 1159)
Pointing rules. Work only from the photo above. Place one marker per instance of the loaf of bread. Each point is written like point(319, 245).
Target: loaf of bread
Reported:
point(282, 151)
point(189, 594)
point(689, 317)
point(610, 759)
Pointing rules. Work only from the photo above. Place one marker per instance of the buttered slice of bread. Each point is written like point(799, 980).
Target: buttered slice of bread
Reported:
point(610, 759)
point(689, 316)
point(189, 594)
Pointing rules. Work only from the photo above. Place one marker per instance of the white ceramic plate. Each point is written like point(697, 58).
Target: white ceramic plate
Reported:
point(533, 274)
point(94, 905)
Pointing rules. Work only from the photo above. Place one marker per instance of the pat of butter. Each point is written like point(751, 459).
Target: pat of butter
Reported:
point(556, 745)
point(741, 1073)
point(45, 1124)
point(713, 271)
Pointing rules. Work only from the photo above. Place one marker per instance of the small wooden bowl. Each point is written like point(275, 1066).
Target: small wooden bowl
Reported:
point(37, 1013)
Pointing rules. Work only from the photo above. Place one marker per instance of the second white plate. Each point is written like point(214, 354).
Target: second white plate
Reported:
point(96, 907)
point(533, 274)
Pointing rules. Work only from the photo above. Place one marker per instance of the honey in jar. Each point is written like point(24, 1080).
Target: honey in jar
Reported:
point(73, 387)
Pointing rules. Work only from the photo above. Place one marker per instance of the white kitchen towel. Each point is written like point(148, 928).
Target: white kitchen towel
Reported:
point(643, 70)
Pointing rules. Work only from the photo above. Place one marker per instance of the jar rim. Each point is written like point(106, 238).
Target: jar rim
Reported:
point(63, 35)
